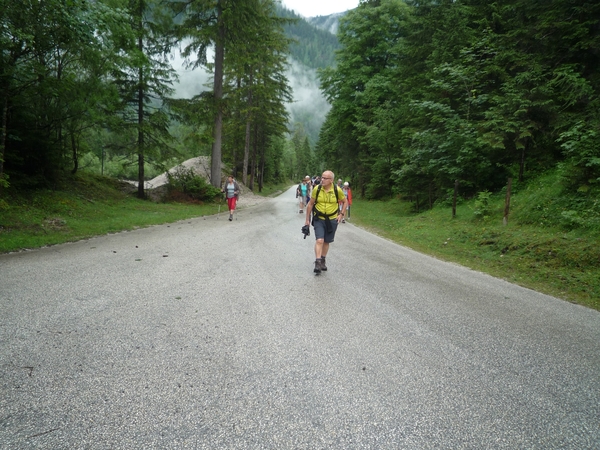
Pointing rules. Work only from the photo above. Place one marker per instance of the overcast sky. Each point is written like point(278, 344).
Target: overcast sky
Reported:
point(312, 8)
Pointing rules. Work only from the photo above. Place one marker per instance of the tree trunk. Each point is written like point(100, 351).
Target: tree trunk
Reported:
point(215, 168)
point(507, 202)
point(247, 142)
point(253, 164)
point(141, 181)
point(454, 198)
point(75, 154)
point(430, 195)
point(3, 135)
point(522, 163)
point(261, 171)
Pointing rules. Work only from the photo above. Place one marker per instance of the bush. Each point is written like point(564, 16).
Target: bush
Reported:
point(482, 205)
point(186, 181)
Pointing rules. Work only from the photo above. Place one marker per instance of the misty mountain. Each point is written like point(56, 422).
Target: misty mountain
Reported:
point(314, 48)
point(329, 23)
point(313, 45)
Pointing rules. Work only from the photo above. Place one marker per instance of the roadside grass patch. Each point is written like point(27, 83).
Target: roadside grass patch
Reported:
point(89, 207)
point(273, 189)
point(549, 260)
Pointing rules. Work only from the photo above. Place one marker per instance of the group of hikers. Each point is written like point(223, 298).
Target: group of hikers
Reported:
point(326, 204)
point(305, 188)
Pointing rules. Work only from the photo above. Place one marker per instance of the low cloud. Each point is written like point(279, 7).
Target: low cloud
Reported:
point(191, 81)
point(309, 106)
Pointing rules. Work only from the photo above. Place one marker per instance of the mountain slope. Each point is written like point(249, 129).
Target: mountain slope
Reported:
point(314, 46)
point(328, 23)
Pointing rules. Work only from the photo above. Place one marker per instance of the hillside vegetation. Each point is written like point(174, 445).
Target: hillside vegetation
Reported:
point(311, 46)
point(544, 257)
point(428, 93)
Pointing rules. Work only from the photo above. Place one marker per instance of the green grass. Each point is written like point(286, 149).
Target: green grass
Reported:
point(549, 260)
point(90, 206)
point(273, 189)
point(543, 257)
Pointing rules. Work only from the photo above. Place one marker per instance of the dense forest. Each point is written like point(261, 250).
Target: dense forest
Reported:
point(88, 84)
point(426, 94)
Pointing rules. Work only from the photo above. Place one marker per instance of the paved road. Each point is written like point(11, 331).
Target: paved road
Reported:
point(217, 335)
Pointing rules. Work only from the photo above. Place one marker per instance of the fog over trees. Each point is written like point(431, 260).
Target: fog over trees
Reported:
point(314, 47)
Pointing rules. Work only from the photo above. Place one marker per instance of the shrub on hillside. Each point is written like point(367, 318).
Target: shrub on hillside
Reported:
point(185, 181)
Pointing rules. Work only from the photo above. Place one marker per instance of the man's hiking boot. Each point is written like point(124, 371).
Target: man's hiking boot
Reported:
point(323, 266)
point(317, 266)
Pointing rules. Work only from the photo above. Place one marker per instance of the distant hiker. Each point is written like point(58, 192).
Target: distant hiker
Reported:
point(323, 208)
point(348, 193)
point(232, 192)
point(303, 192)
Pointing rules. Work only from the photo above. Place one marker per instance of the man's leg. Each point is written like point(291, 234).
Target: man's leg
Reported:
point(323, 255)
point(319, 244)
point(325, 247)
point(318, 250)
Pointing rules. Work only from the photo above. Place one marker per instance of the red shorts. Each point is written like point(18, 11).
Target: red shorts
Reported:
point(231, 203)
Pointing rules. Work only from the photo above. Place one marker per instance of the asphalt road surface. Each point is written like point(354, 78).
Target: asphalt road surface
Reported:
point(212, 334)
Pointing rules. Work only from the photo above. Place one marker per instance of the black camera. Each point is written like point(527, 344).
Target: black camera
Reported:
point(306, 230)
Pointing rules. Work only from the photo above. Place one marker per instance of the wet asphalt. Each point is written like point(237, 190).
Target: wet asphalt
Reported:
point(213, 334)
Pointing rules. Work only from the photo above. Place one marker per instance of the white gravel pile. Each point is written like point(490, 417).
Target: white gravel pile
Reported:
point(201, 166)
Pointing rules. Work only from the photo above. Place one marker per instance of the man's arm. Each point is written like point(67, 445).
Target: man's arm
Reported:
point(309, 208)
point(343, 211)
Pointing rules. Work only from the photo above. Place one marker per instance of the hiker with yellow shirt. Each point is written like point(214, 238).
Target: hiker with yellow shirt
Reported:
point(324, 209)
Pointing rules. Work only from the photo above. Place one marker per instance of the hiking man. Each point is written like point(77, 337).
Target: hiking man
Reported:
point(323, 208)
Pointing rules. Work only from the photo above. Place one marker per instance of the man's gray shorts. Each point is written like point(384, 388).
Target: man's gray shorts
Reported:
point(320, 227)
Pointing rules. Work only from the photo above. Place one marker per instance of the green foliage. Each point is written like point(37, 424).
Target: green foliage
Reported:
point(581, 146)
point(311, 46)
point(120, 168)
point(186, 181)
point(481, 208)
point(90, 81)
point(471, 91)
point(304, 157)
point(547, 202)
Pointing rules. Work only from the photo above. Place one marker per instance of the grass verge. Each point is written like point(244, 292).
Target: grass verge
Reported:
point(552, 261)
point(90, 206)
point(273, 189)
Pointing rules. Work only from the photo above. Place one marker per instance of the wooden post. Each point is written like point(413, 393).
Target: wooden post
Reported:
point(507, 202)
point(454, 199)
